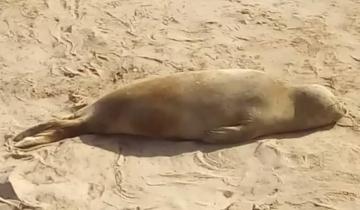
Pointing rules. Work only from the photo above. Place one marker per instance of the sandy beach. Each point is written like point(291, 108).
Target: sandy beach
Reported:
point(57, 56)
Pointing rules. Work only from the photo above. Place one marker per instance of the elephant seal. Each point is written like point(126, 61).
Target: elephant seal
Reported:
point(213, 106)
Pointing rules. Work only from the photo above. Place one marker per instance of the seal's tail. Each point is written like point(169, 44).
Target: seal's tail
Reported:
point(48, 132)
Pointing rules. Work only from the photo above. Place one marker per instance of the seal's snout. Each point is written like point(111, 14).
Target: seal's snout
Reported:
point(340, 109)
point(337, 108)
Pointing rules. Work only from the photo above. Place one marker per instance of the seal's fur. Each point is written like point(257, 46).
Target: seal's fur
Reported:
point(215, 106)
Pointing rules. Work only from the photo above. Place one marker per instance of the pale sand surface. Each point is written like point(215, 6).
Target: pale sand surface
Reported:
point(58, 55)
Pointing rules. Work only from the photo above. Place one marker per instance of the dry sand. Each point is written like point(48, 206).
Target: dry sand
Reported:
point(59, 55)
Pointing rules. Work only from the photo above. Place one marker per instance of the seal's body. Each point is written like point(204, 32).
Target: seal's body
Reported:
point(215, 106)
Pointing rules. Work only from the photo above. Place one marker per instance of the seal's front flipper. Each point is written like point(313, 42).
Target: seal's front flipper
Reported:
point(230, 134)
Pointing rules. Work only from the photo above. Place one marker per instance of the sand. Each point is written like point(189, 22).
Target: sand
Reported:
point(59, 55)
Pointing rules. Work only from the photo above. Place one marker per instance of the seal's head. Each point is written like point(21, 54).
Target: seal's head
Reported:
point(315, 105)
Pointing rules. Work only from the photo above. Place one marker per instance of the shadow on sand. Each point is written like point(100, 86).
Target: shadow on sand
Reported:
point(150, 147)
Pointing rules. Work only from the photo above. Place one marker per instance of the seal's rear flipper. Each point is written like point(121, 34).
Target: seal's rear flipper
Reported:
point(49, 132)
point(31, 141)
point(230, 134)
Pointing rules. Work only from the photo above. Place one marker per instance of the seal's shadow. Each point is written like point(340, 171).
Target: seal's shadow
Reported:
point(150, 147)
